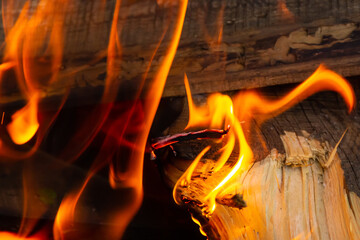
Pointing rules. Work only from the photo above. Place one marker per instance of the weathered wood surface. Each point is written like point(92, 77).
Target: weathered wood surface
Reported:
point(323, 116)
point(296, 195)
point(266, 42)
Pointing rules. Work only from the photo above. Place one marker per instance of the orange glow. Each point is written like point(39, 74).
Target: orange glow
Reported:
point(33, 53)
point(65, 216)
point(24, 123)
point(214, 39)
point(286, 14)
point(12, 236)
point(220, 112)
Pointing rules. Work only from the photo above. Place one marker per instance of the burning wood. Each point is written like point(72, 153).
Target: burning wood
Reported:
point(165, 141)
point(229, 195)
point(288, 196)
point(234, 198)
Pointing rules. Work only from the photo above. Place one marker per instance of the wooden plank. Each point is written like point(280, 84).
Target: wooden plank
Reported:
point(263, 43)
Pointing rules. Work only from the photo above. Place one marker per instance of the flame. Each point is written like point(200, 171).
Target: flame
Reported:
point(32, 53)
point(199, 224)
point(221, 112)
point(12, 236)
point(65, 215)
point(127, 130)
point(251, 103)
point(33, 50)
point(25, 123)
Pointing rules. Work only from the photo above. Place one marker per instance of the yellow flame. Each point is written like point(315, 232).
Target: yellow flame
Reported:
point(220, 113)
point(33, 48)
point(198, 223)
point(250, 103)
point(216, 190)
point(185, 179)
point(24, 123)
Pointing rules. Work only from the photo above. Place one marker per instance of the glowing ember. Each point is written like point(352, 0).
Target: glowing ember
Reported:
point(219, 112)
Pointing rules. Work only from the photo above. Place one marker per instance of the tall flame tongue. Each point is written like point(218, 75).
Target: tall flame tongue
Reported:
point(126, 138)
point(220, 112)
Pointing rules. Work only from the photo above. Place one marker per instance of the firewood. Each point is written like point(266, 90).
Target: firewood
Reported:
point(264, 43)
point(297, 195)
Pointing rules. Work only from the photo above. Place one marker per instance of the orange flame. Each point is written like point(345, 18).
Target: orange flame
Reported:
point(126, 138)
point(12, 236)
point(220, 113)
point(250, 103)
point(33, 48)
point(34, 51)
point(25, 123)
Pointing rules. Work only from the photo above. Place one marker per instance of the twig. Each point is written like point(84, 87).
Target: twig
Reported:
point(171, 139)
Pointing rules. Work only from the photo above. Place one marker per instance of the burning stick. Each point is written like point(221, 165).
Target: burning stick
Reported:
point(165, 141)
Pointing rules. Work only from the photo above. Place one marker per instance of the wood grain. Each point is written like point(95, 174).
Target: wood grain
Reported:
point(263, 43)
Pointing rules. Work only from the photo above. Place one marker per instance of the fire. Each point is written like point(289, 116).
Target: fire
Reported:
point(24, 46)
point(25, 123)
point(12, 236)
point(130, 132)
point(198, 223)
point(223, 113)
point(33, 52)
point(250, 103)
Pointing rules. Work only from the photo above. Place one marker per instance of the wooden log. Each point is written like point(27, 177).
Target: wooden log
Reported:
point(299, 195)
point(262, 43)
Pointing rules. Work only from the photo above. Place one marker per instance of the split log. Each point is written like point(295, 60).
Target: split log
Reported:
point(297, 195)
